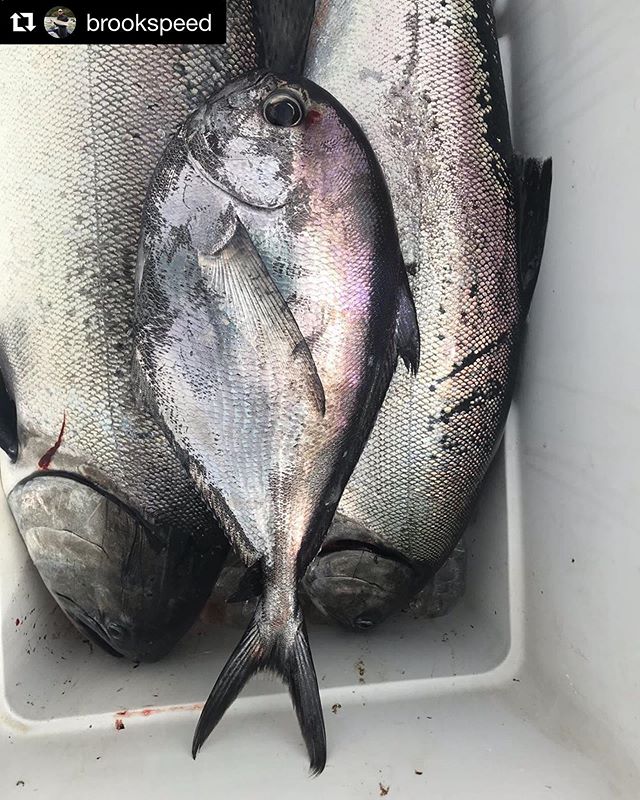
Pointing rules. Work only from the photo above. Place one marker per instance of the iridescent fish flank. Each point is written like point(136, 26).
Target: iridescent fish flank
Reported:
point(78, 156)
point(272, 306)
point(111, 519)
point(423, 78)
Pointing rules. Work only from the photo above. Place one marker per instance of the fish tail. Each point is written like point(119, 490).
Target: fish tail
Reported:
point(285, 652)
point(300, 675)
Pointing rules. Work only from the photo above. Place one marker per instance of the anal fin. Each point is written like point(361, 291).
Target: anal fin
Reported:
point(249, 586)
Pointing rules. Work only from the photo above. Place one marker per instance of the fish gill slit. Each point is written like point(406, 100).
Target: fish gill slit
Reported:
point(84, 539)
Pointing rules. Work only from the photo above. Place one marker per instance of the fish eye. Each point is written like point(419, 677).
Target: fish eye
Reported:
point(114, 631)
point(283, 109)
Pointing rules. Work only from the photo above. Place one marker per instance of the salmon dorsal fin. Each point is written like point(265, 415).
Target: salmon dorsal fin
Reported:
point(533, 181)
point(242, 284)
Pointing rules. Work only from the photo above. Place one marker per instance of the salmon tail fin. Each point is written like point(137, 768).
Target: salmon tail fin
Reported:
point(287, 655)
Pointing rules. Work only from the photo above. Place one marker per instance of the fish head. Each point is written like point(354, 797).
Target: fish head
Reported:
point(356, 579)
point(121, 582)
point(263, 138)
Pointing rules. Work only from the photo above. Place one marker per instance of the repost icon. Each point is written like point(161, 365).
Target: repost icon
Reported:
point(22, 22)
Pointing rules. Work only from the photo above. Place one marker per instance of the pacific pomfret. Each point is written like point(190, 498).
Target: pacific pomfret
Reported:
point(273, 304)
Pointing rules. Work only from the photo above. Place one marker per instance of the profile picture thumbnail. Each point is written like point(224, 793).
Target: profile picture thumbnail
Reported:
point(60, 22)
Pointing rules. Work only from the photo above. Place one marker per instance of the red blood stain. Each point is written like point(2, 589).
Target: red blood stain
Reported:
point(46, 459)
point(313, 116)
point(147, 712)
point(119, 725)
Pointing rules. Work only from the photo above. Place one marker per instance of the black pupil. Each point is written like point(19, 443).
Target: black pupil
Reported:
point(114, 630)
point(284, 113)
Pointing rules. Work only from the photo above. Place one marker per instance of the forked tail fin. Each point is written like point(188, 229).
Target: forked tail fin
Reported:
point(289, 656)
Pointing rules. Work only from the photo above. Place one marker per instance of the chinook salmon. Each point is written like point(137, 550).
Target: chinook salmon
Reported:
point(424, 80)
point(113, 523)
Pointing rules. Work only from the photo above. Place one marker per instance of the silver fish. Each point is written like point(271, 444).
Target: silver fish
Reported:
point(131, 587)
point(81, 131)
point(273, 305)
point(424, 79)
point(357, 577)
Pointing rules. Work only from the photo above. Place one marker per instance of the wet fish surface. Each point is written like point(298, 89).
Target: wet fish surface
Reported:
point(272, 306)
point(110, 517)
point(358, 578)
point(424, 80)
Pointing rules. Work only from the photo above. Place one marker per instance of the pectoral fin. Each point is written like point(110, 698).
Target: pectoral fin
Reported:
point(8, 422)
point(533, 177)
point(239, 279)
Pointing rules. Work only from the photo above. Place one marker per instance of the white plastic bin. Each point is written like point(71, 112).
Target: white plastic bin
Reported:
point(530, 688)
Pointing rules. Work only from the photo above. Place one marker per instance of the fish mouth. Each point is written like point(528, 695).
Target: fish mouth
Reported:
point(94, 637)
point(86, 624)
point(96, 633)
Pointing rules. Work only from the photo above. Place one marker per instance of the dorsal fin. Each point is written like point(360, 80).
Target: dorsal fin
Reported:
point(533, 179)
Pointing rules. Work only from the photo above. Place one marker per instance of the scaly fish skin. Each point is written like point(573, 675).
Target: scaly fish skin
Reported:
point(81, 130)
point(424, 80)
point(272, 306)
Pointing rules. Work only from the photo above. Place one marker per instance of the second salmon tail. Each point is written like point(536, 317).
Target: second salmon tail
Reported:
point(285, 652)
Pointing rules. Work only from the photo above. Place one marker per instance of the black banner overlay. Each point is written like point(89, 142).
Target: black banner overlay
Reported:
point(106, 22)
